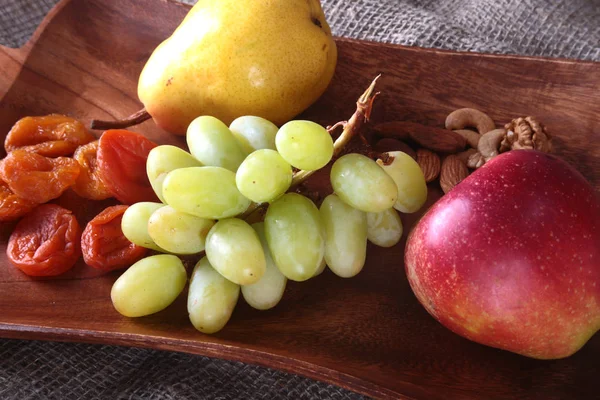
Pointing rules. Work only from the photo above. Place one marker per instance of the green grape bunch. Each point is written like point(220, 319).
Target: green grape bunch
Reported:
point(212, 194)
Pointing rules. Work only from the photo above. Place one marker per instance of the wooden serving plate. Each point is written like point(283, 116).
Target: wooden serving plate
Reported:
point(368, 334)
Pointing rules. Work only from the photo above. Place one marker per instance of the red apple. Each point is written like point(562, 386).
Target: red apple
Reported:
point(510, 258)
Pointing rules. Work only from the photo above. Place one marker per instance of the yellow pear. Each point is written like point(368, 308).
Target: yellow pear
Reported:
point(228, 58)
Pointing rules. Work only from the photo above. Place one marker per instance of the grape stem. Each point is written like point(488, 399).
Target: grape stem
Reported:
point(352, 127)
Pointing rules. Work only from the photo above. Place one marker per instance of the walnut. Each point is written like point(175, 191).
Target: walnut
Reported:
point(526, 134)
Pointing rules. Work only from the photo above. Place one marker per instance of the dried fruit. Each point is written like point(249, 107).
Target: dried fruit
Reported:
point(122, 159)
point(51, 135)
point(37, 178)
point(46, 242)
point(88, 184)
point(453, 171)
point(12, 206)
point(103, 244)
point(430, 164)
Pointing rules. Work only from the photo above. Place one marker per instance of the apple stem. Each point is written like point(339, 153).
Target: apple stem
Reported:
point(134, 119)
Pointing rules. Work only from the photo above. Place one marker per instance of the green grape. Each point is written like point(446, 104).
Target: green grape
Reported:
point(304, 144)
point(206, 192)
point(234, 250)
point(164, 159)
point(264, 176)
point(135, 224)
point(149, 286)
point(254, 133)
point(211, 298)
point(384, 228)
point(345, 237)
point(267, 292)
point(178, 232)
point(294, 231)
point(211, 142)
point(363, 184)
point(410, 181)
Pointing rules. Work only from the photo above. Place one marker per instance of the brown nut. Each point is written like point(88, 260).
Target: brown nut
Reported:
point(471, 137)
point(391, 129)
point(472, 118)
point(430, 164)
point(453, 171)
point(435, 139)
point(464, 156)
point(475, 160)
point(526, 133)
point(388, 144)
point(489, 144)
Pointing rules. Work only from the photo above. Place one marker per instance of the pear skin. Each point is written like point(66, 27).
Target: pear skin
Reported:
point(228, 58)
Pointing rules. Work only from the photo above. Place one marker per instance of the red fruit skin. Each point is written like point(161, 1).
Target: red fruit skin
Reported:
point(510, 258)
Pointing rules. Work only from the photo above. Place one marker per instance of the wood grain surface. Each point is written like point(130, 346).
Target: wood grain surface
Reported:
point(369, 333)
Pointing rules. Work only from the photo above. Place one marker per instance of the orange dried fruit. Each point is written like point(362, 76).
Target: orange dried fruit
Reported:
point(37, 178)
point(103, 244)
point(122, 159)
point(88, 184)
point(46, 242)
point(12, 206)
point(51, 135)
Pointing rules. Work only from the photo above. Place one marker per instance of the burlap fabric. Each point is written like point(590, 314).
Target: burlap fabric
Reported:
point(38, 370)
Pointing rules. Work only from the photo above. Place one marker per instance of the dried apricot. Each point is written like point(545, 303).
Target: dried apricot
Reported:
point(12, 206)
point(46, 242)
point(38, 178)
point(88, 184)
point(122, 159)
point(51, 135)
point(103, 244)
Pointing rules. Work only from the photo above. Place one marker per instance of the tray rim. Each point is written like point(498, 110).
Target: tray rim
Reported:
point(219, 351)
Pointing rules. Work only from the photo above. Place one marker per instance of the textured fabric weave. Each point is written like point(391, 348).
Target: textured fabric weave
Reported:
point(557, 28)
point(39, 370)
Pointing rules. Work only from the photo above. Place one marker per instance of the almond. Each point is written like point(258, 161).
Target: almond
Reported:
point(435, 139)
point(453, 171)
point(430, 164)
point(391, 129)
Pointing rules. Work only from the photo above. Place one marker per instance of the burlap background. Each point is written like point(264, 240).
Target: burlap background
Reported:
point(36, 370)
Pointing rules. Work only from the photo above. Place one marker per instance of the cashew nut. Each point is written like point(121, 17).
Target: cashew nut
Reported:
point(489, 144)
point(470, 117)
point(471, 137)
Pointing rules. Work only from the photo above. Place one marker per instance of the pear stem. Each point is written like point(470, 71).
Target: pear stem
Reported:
point(134, 119)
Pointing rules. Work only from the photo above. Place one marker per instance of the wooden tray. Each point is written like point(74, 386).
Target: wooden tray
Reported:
point(368, 334)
